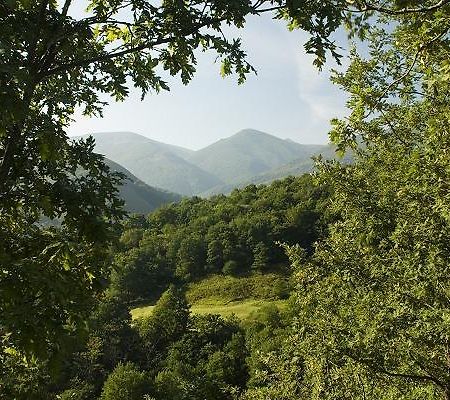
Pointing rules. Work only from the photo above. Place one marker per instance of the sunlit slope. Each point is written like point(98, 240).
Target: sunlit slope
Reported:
point(227, 295)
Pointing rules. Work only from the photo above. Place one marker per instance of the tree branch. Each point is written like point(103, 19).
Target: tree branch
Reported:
point(413, 377)
point(143, 46)
point(410, 376)
point(406, 10)
point(65, 8)
point(408, 70)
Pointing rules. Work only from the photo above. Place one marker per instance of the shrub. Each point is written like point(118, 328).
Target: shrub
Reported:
point(230, 268)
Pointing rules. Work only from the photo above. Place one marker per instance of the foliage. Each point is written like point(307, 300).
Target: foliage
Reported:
point(22, 379)
point(206, 363)
point(372, 304)
point(166, 324)
point(111, 341)
point(275, 367)
point(126, 382)
point(229, 234)
point(83, 392)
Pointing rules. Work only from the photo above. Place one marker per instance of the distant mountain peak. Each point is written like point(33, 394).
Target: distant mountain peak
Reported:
point(240, 157)
point(251, 132)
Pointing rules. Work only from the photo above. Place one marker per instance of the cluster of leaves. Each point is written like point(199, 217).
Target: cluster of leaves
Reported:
point(233, 235)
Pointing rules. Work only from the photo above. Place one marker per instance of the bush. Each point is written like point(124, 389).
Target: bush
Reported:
point(230, 268)
point(83, 392)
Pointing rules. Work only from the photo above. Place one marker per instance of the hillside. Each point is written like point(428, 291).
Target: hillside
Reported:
point(156, 164)
point(227, 295)
point(249, 153)
point(296, 167)
point(249, 156)
point(232, 235)
point(138, 196)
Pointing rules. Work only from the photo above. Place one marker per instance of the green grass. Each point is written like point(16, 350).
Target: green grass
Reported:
point(241, 309)
point(228, 288)
point(141, 312)
point(228, 295)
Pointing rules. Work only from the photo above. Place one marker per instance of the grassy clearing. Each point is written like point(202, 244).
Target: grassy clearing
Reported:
point(141, 312)
point(228, 295)
point(229, 289)
point(241, 309)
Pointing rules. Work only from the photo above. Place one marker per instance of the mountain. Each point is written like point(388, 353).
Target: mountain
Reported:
point(249, 156)
point(156, 164)
point(249, 153)
point(137, 144)
point(138, 196)
point(293, 168)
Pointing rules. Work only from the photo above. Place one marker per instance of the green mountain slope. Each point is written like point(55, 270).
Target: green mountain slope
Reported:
point(156, 164)
point(247, 157)
point(138, 196)
point(138, 144)
point(249, 153)
point(297, 167)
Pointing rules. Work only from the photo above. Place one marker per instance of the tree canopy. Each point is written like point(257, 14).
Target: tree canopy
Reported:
point(372, 303)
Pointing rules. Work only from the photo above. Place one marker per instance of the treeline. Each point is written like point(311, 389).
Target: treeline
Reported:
point(232, 235)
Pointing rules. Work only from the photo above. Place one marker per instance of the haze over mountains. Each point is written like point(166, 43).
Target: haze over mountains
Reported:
point(138, 196)
point(249, 156)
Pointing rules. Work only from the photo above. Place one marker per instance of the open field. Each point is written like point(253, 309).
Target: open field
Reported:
point(228, 295)
point(242, 309)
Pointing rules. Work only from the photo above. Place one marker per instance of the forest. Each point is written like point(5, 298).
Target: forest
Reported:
point(349, 266)
point(172, 353)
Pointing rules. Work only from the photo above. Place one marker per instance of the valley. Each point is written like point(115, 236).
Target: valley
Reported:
point(253, 268)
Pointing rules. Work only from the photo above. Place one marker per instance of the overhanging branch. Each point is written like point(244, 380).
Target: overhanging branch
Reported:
point(406, 10)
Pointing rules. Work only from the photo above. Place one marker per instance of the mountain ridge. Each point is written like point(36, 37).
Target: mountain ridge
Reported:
point(137, 195)
point(247, 153)
point(245, 156)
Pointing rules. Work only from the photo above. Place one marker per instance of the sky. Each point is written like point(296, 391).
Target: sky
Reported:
point(287, 98)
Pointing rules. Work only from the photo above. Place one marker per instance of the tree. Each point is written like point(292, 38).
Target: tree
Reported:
point(126, 382)
point(260, 257)
point(167, 323)
point(373, 309)
point(231, 267)
point(207, 362)
point(191, 257)
point(214, 256)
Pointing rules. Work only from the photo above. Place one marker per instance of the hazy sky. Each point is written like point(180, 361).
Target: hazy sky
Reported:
point(288, 98)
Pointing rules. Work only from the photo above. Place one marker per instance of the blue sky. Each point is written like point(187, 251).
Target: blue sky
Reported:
point(288, 97)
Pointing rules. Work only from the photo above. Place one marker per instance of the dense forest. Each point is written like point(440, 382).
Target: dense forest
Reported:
point(233, 235)
point(342, 277)
point(172, 353)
